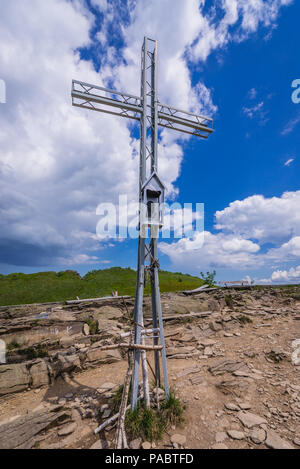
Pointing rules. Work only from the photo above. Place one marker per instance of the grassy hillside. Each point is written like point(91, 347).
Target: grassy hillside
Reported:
point(45, 287)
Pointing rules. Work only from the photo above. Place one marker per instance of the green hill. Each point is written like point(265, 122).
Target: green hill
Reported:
point(46, 287)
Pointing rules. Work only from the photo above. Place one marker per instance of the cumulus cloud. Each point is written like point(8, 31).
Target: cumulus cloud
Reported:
point(208, 250)
point(245, 227)
point(271, 220)
point(291, 275)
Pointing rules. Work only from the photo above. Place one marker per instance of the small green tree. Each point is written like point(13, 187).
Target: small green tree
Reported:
point(209, 278)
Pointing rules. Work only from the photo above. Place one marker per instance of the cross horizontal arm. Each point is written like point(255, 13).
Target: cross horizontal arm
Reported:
point(183, 121)
point(97, 98)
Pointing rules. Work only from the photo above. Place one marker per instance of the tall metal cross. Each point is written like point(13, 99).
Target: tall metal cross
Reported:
point(151, 114)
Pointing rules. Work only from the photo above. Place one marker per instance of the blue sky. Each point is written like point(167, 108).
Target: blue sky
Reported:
point(232, 60)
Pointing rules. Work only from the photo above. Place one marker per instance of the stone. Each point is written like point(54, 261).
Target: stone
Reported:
point(13, 378)
point(67, 430)
point(206, 342)
point(245, 406)
point(208, 351)
point(39, 373)
point(215, 326)
point(224, 366)
point(146, 445)
point(257, 435)
point(21, 432)
point(106, 387)
point(101, 357)
point(232, 406)
point(198, 379)
point(274, 441)
point(219, 446)
point(220, 437)
point(86, 330)
point(65, 364)
point(100, 444)
point(250, 420)
point(187, 371)
point(296, 441)
point(104, 407)
point(106, 414)
point(236, 435)
point(135, 444)
point(178, 439)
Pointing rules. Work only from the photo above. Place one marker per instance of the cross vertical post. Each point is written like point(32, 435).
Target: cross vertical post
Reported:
point(148, 252)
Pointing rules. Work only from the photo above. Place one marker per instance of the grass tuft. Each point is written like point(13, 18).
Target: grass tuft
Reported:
point(149, 423)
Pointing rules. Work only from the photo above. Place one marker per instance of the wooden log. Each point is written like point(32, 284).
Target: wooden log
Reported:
point(121, 440)
point(104, 298)
point(131, 346)
point(144, 332)
point(110, 420)
point(203, 314)
point(145, 374)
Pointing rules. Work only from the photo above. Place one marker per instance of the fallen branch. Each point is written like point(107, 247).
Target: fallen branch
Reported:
point(131, 346)
point(121, 440)
point(111, 420)
point(77, 302)
point(187, 316)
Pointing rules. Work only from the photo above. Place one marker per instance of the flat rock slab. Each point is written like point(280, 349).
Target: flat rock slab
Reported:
point(274, 441)
point(20, 433)
point(178, 439)
point(67, 429)
point(257, 435)
point(187, 371)
point(236, 435)
point(100, 444)
point(219, 446)
point(227, 366)
point(250, 420)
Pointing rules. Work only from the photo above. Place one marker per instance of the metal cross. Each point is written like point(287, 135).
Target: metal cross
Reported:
point(151, 114)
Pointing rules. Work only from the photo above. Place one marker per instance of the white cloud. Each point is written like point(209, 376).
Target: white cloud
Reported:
point(252, 111)
point(289, 127)
point(291, 275)
point(212, 251)
point(54, 165)
point(245, 226)
point(252, 93)
point(246, 15)
point(269, 220)
point(289, 162)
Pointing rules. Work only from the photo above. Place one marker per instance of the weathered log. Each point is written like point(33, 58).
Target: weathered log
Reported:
point(104, 298)
point(144, 332)
point(121, 440)
point(203, 314)
point(131, 346)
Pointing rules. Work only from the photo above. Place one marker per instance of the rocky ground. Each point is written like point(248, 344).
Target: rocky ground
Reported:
point(236, 367)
